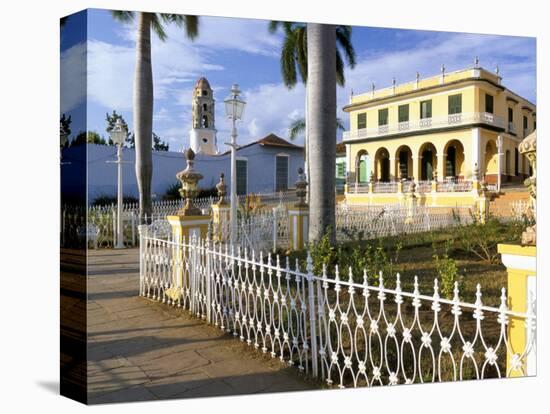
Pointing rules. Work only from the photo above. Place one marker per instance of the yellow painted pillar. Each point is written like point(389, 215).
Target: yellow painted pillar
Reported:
point(184, 229)
point(220, 222)
point(417, 167)
point(520, 262)
point(441, 160)
point(298, 227)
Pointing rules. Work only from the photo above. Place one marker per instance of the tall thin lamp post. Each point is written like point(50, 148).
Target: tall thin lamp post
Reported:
point(234, 109)
point(118, 135)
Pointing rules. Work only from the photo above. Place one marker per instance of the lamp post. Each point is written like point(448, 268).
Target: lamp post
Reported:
point(118, 135)
point(234, 108)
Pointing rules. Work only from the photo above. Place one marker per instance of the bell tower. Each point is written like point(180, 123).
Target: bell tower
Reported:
point(203, 132)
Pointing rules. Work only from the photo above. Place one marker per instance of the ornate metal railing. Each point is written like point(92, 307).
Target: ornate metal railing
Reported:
point(467, 118)
point(349, 331)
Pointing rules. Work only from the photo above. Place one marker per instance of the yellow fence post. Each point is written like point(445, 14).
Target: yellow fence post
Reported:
point(298, 215)
point(520, 262)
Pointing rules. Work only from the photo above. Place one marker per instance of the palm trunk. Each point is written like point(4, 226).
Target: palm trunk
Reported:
point(321, 124)
point(143, 115)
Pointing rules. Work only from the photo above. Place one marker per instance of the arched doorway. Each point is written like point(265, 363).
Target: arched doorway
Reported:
point(382, 164)
point(362, 167)
point(403, 157)
point(454, 159)
point(428, 161)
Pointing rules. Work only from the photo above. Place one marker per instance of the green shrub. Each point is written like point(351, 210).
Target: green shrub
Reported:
point(481, 239)
point(447, 271)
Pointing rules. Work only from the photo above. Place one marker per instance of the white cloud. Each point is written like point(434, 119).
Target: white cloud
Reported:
point(271, 108)
point(111, 68)
point(73, 75)
point(246, 35)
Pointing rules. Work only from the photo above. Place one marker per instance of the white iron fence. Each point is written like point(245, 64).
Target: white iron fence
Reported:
point(381, 221)
point(346, 332)
point(99, 222)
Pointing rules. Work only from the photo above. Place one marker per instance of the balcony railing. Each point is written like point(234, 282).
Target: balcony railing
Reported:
point(427, 124)
point(449, 185)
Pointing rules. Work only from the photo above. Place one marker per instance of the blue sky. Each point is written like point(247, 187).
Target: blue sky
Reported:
point(242, 50)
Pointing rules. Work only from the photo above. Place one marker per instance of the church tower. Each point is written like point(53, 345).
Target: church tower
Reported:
point(203, 132)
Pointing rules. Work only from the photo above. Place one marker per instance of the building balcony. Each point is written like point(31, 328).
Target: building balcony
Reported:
point(427, 124)
point(449, 185)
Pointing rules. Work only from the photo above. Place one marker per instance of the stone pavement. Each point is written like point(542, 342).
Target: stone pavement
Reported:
point(143, 350)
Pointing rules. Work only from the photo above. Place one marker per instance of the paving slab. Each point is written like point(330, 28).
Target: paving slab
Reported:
point(139, 349)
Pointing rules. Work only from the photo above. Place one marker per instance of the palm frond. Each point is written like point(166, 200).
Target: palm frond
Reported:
point(273, 26)
point(340, 124)
point(123, 16)
point(343, 38)
point(288, 61)
point(340, 79)
point(157, 27)
point(188, 22)
point(296, 128)
point(301, 52)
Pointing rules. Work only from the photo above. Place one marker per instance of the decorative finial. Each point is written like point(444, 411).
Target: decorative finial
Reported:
point(443, 69)
point(476, 62)
point(222, 190)
point(497, 70)
point(189, 179)
point(417, 76)
point(301, 191)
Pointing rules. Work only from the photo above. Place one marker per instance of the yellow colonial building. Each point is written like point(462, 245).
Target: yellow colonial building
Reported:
point(436, 131)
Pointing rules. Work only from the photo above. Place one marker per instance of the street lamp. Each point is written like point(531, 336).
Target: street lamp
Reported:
point(118, 135)
point(234, 108)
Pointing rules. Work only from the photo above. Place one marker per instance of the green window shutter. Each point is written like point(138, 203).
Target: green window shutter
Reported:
point(242, 172)
point(426, 109)
point(281, 176)
point(362, 171)
point(362, 121)
point(383, 116)
point(510, 115)
point(525, 122)
point(403, 113)
point(489, 103)
point(455, 104)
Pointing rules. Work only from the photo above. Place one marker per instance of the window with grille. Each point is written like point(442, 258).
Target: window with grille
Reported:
point(383, 116)
point(281, 176)
point(362, 121)
point(242, 173)
point(455, 104)
point(403, 113)
point(426, 109)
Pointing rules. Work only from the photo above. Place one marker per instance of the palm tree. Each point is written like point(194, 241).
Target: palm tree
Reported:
point(298, 127)
point(321, 119)
point(294, 60)
point(143, 92)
